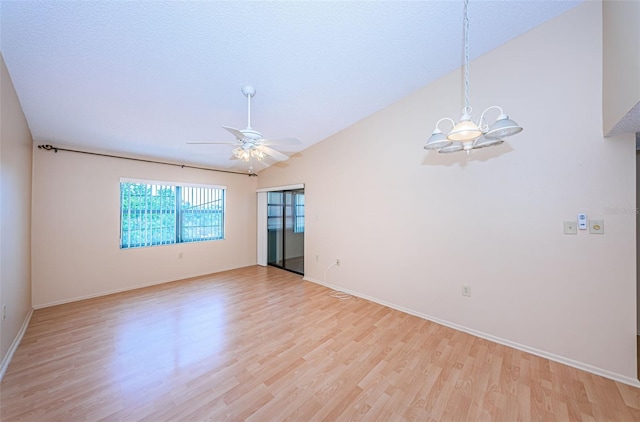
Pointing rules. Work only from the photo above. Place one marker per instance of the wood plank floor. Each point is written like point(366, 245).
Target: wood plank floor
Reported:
point(260, 344)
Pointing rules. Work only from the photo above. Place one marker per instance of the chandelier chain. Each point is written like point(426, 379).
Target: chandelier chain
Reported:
point(466, 55)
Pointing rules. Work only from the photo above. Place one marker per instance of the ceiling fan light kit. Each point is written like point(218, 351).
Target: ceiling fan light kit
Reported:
point(466, 134)
point(246, 154)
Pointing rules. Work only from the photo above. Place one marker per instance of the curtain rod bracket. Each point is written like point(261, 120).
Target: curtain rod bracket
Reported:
point(48, 147)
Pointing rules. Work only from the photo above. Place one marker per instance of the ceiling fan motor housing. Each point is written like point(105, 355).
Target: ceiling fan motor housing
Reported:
point(251, 134)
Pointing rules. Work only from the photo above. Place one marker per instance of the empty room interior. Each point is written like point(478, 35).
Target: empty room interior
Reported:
point(274, 211)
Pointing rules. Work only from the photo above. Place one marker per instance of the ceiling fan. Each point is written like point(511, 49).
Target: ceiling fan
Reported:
point(250, 143)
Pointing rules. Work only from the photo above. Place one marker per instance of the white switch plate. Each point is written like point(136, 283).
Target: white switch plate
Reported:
point(466, 290)
point(570, 227)
point(596, 226)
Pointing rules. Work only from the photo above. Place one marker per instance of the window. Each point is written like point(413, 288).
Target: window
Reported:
point(287, 207)
point(159, 213)
point(275, 210)
point(298, 212)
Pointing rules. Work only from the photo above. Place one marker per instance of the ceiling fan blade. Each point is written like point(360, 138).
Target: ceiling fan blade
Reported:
point(235, 132)
point(273, 153)
point(283, 141)
point(209, 153)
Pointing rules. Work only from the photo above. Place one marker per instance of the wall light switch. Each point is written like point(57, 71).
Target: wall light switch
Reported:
point(596, 226)
point(570, 227)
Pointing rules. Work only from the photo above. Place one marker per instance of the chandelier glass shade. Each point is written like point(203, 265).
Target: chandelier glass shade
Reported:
point(466, 134)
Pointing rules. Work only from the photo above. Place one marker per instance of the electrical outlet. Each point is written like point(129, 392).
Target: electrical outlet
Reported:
point(570, 227)
point(180, 255)
point(466, 290)
point(338, 262)
point(4, 311)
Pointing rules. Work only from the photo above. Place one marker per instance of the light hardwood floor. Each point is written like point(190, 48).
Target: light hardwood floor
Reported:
point(260, 344)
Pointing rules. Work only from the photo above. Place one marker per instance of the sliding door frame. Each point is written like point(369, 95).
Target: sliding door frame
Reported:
point(262, 235)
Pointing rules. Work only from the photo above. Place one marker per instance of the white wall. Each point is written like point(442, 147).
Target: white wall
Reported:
point(412, 226)
point(621, 51)
point(15, 214)
point(76, 252)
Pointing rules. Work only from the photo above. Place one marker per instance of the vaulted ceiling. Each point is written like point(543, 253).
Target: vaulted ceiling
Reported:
point(143, 78)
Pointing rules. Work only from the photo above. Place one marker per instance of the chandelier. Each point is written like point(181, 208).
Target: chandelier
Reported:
point(467, 135)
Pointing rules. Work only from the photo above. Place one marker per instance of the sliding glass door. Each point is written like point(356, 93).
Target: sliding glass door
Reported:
point(285, 230)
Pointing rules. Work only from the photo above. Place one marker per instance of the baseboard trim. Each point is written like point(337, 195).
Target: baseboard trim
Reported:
point(129, 288)
point(15, 344)
point(551, 356)
point(105, 293)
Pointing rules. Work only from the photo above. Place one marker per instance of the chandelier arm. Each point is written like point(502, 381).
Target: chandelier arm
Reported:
point(445, 118)
point(482, 123)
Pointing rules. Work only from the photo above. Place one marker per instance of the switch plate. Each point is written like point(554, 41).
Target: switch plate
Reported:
point(570, 227)
point(466, 290)
point(596, 226)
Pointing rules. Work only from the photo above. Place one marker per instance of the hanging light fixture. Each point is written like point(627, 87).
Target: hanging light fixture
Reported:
point(467, 135)
point(248, 151)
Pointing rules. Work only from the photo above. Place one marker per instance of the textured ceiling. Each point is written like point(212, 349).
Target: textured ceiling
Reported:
point(142, 78)
point(630, 123)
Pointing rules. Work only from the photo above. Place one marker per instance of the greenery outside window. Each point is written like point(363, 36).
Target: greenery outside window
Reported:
point(160, 213)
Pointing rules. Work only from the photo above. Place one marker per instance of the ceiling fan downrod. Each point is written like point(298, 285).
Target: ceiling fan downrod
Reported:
point(248, 91)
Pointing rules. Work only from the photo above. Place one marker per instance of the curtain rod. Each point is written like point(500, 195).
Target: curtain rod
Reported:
point(56, 149)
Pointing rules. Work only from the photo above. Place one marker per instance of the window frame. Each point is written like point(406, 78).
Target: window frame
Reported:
point(219, 192)
point(298, 220)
